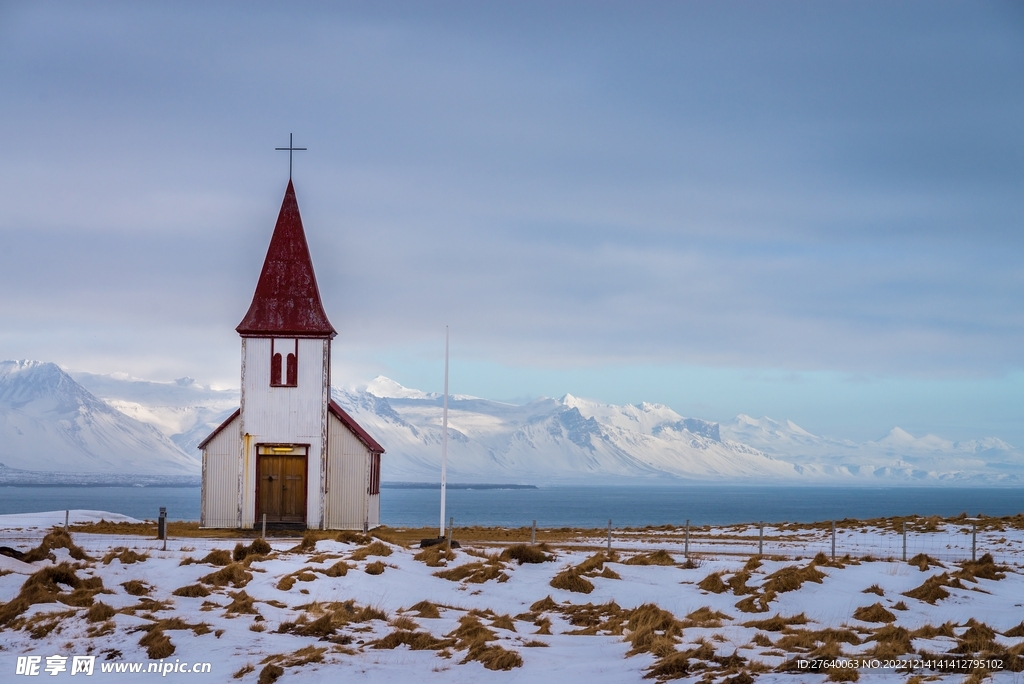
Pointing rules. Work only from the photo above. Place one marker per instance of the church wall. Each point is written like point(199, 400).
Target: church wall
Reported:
point(220, 479)
point(347, 477)
point(284, 415)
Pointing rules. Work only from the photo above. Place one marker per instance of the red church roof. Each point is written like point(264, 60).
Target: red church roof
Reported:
point(287, 300)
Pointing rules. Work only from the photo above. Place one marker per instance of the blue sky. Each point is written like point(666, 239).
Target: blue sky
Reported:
point(809, 210)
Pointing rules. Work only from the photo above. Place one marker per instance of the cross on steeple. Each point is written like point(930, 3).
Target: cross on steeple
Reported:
point(291, 148)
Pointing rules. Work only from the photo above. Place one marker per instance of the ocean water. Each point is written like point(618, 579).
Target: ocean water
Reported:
point(573, 506)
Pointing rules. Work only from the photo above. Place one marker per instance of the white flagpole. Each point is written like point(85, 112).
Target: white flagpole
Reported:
point(444, 437)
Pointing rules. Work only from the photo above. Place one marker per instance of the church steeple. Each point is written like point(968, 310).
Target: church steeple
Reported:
point(287, 300)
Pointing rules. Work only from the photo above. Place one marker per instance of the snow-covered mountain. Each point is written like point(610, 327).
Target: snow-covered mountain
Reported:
point(49, 422)
point(544, 441)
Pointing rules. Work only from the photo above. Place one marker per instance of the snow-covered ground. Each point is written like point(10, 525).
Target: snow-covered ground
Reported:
point(289, 608)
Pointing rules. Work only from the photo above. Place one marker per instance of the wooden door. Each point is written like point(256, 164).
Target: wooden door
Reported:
point(282, 488)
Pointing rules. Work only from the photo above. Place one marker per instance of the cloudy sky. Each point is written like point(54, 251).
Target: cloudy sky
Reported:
point(806, 210)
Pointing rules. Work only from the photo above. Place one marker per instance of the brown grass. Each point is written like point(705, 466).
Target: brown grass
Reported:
point(192, 591)
point(426, 609)
point(339, 569)
point(234, 574)
point(571, 580)
point(377, 548)
point(473, 636)
point(738, 583)
point(777, 623)
point(979, 638)
point(46, 586)
point(891, 641)
point(57, 538)
point(259, 547)
point(136, 588)
point(416, 641)
point(270, 674)
point(474, 573)
point(713, 583)
point(286, 583)
point(706, 617)
point(243, 671)
point(218, 557)
point(1017, 631)
point(932, 590)
point(985, 568)
point(241, 603)
point(874, 589)
point(874, 613)
point(435, 556)
point(659, 557)
point(930, 632)
point(157, 644)
point(792, 578)
point(646, 623)
point(126, 556)
point(923, 561)
point(353, 537)
point(524, 553)
point(374, 568)
point(100, 612)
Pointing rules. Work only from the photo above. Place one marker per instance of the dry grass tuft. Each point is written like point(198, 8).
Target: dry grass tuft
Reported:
point(136, 588)
point(930, 632)
point(374, 568)
point(874, 589)
point(503, 622)
point(57, 538)
point(218, 557)
point(524, 553)
point(242, 672)
point(985, 568)
point(339, 569)
point(777, 623)
point(403, 622)
point(933, 589)
point(874, 613)
point(646, 623)
point(706, 617)
point(192, 591)
point(436, 556)
point(713, 583)
point(659, 557)
point(791, 578)
point(571, 580)
point(979, 638)
point(353, 537)
point(270, 674)
point(474, 573)
point(426, 609)
point(241, 603)
point(234, 574)
point(546, 603)
point(259, 547)
point(46, 586)
point(377, 548)
point(286, 583)
point(596, 562)
point(416, 641)
point(100, 612)
point(473, 636)
point(738, 583)
point(308, 543)
point(891, 641)
point(126, 556)
point(674, 666)
point(1017, 631)
point(157, 644)
point(923, 561)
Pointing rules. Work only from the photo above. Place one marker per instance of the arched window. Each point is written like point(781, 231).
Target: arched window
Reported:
point(284, 363)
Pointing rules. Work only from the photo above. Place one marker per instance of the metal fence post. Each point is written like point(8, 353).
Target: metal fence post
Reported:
point(686, 547)
point(904, 541)
point(760, 540)
point(67, 514)
point(609, 535)
point(451, 524)
point(533, 533)
point(833, 540)
point(264, 526)
point(974, 542)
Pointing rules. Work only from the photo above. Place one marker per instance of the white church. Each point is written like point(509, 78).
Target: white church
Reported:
point(289, 453)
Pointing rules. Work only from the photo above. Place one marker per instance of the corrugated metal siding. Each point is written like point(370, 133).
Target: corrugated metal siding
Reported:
point(284, 415)
point(220, 479)
point(373, 510)
point(347, 472)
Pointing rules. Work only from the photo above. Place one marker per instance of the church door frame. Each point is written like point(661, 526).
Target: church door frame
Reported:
point(278, 450)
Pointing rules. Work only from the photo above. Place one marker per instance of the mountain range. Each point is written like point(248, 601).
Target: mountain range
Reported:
point(52, 421)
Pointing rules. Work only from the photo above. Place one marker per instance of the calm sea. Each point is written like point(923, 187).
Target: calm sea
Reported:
point(573, 506)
